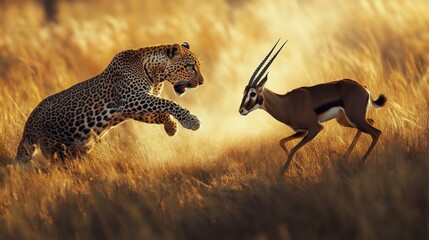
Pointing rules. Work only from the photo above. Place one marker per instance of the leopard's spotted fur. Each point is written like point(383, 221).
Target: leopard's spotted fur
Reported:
point(67, 124)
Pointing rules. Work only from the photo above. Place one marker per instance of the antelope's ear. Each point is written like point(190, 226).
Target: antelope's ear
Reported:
point(174, 51)
point(263, 81)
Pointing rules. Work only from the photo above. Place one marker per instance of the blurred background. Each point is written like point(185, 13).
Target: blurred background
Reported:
point(220, 181)
point(47, 46)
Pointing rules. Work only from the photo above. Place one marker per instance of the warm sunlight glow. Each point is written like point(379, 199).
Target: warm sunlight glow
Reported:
point(149, 185)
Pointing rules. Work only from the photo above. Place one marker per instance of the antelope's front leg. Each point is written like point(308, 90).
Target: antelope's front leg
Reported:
point(292, 137)
point(170, 126)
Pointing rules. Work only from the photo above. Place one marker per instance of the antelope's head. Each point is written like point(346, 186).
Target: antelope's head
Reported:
point(252, 96)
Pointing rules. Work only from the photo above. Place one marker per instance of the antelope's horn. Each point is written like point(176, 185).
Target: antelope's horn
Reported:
point(260, 65)
point(258, 78)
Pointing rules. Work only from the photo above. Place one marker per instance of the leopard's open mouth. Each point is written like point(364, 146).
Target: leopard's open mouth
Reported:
point(180, 87)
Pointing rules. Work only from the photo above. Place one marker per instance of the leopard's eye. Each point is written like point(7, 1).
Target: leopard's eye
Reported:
point(192, 66)
point(252, 94)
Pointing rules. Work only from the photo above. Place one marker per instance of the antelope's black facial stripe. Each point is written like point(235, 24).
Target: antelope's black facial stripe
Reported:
point(260, 100)
point(249, 98)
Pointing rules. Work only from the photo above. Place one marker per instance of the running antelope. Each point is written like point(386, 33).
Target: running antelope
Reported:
point(305, 108)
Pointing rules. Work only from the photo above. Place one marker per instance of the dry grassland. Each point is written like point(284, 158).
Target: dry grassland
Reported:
point(219, 182)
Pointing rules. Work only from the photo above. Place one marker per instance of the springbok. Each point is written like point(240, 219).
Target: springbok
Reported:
point(305, 108)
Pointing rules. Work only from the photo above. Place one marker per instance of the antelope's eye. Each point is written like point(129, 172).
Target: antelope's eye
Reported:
point(252, 94)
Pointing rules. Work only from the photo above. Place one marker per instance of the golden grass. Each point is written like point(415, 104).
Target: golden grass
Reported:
point(219, 182)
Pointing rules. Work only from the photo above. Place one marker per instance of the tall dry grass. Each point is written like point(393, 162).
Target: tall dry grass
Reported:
point(220, 181)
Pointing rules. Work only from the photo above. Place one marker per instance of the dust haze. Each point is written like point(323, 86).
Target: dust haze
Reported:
point(203, 178)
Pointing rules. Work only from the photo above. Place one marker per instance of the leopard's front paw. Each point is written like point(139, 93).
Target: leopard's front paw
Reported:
point(170, 128)
point(191, 122)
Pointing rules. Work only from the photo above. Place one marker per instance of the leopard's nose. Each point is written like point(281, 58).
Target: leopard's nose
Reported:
point(201, 80)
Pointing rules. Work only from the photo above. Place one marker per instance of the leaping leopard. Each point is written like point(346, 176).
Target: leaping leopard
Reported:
point(67, 124)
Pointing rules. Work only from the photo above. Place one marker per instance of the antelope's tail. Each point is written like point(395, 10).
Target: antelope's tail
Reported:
point(380, 102)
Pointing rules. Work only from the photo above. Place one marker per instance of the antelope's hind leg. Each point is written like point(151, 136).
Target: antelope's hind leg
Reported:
point(365, 125)
point(343, 121)
point(375, 135)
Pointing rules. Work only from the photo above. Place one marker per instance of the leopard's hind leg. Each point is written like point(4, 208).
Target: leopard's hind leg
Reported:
point(25, 151)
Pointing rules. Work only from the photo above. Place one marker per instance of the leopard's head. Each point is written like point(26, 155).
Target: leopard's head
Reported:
point(183, 68)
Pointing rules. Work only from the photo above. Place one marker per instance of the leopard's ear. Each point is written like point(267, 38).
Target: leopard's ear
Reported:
point(174, 50)
point(186, 45)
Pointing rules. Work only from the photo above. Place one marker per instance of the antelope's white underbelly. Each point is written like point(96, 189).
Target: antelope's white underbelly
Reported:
point(330, 114)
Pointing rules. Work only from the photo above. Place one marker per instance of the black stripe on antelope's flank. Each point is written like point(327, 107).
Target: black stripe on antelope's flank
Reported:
point(325, 107)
